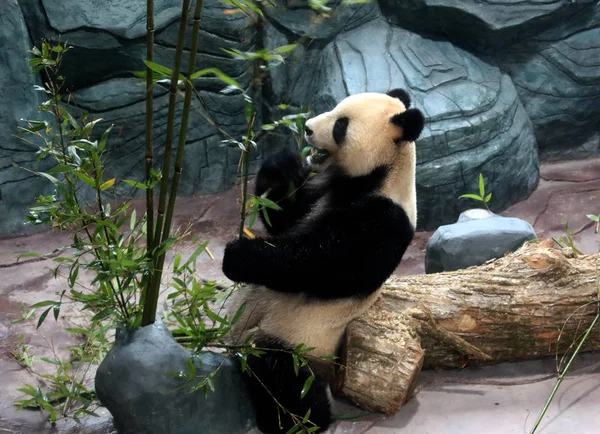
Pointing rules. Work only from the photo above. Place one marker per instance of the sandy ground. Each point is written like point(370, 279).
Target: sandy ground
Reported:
point(499, 399)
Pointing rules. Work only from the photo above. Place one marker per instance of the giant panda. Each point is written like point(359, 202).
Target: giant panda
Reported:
point(338, 236)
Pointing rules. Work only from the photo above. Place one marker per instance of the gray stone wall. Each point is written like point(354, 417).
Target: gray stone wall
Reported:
point(502, 83)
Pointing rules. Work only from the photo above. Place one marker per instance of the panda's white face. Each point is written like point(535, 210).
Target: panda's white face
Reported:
point(362, 132)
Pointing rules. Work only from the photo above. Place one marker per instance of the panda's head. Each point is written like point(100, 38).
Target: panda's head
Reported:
point(369, 131)
point(366, 131)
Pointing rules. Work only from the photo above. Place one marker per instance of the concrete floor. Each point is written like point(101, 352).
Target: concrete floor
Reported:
point(499, 399)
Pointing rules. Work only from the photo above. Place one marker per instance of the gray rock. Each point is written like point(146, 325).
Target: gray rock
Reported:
point(473, 240)
point(477, 24)
point(18, 188)
point(107, 47)
point(475, 122)
point(209, 165)
point(297, 17)
point(136, 383)
point(474, 214)
point(558, 81)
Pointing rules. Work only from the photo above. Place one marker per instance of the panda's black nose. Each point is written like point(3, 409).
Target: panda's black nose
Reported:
point(308, 131)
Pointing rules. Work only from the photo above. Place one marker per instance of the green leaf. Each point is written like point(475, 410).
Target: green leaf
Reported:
point(159, 69)
point(266, 216)
point(89, 181)
point(594, 218)
point(285, 48)
point(79, 331)
point(213, 316)
point(43, 317)
point(306, 416)
point(238, 313)
point(103, 139)
point(197, 252)
point(293, 429)
point(28, 255)
point(210, 384)
point(219, 74)
point(296, 364)
point(51, 178)
point(481, 186)
point(471, 196)
point(56, 311)
point(42, 304)
point(53, 361)
point(269, 127)
point(488, 197)
point(133, 221)
point(135, 184)
point(306, 386)
point(268, 203)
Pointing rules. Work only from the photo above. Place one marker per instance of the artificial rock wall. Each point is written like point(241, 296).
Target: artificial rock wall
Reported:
point(502, 83)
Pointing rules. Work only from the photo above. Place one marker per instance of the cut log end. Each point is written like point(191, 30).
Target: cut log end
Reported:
point(517, 307)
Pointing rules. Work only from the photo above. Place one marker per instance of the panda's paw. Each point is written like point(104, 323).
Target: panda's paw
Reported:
point(281, 173)
point(235, 259)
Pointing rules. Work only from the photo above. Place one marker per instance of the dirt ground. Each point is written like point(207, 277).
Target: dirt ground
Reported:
point(446, 402)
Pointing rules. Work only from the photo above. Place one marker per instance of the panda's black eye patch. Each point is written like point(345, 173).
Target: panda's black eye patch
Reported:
point(339, 129)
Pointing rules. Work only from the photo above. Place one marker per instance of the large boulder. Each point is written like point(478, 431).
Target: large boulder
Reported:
point(138, 383)
point(299, 19)
point(109, 44)
point(19, 100)
point(481, 24)
point(475, 121)
point(558, 80)
point(475, 238)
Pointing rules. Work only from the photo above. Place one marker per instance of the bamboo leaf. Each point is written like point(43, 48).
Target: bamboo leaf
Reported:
point(159, 69)
point(285, 48)
point(488, 197)
point(107, 184)
point(306, 386)
point(42, 304)
point(43, 317)
point(481, 186)
point(471, 196)
point(51, 178)
point(89, 181)
point(135, 184)
point(104, 139)
point(219, 74)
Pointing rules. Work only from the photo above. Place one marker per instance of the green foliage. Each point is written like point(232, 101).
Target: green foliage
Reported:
point(107, 240)
point(567, 239)
point(481, 197)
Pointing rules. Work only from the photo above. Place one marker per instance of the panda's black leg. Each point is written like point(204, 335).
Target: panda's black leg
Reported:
point(273, 378)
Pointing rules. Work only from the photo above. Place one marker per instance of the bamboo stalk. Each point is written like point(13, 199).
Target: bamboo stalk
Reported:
point(151, 295)
point(164, 184)
point(189, 86)
point(149, 126)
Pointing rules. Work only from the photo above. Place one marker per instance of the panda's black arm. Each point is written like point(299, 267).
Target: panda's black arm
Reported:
point(283, 177)
point(350, 253)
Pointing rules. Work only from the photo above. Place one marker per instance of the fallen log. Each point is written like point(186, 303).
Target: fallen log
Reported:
point(532, 303)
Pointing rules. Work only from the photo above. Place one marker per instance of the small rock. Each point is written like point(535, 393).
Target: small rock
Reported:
point(474, 214)
point(477, 237)
point(135, 382)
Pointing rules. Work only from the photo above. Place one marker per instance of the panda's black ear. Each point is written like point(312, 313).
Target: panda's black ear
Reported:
point(411, 121)
point(402, 95)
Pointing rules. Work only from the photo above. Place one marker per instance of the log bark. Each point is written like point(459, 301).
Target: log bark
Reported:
point(529, 304)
